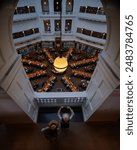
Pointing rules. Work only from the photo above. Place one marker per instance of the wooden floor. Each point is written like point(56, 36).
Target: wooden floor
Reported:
point(80, 136)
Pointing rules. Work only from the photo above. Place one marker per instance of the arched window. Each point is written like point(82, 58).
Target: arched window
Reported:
point(47, 25)
point(69, 6)
point(57, 5)
point(68, 24)
point(58, 25)
point(45, 5)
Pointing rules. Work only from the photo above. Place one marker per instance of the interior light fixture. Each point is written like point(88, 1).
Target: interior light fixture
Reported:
point(60, 64)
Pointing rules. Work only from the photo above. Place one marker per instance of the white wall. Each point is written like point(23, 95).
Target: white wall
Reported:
point(106, 76)
point(92, 25)
point(93, 3)
point(25, 25)
point(12, 75)
point(22, 3)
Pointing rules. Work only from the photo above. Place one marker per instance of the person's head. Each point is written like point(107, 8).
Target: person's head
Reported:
point(53, 125)
point(65, 117)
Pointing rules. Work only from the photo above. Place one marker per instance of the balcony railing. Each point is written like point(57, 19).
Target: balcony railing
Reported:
point(90, 38)
point(92, 10)
point(21, 17)
point(27, 38)
point(94, 17)
point(56, 14)
point(61, 101)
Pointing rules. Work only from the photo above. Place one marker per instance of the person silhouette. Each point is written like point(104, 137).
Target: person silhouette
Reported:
point(51, 131)
point(65, 114)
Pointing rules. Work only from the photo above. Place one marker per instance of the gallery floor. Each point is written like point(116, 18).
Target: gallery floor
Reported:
point(80, 136)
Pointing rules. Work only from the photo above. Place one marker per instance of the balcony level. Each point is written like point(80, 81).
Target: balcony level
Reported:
point(24, 17)
point(90, 38)
point(92, 17)
point(27, 38)
point(56, 15)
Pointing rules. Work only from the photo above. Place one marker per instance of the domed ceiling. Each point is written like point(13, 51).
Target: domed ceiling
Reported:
point(38, 57)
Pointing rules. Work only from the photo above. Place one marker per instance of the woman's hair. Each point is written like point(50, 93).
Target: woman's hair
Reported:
point(53, 123)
